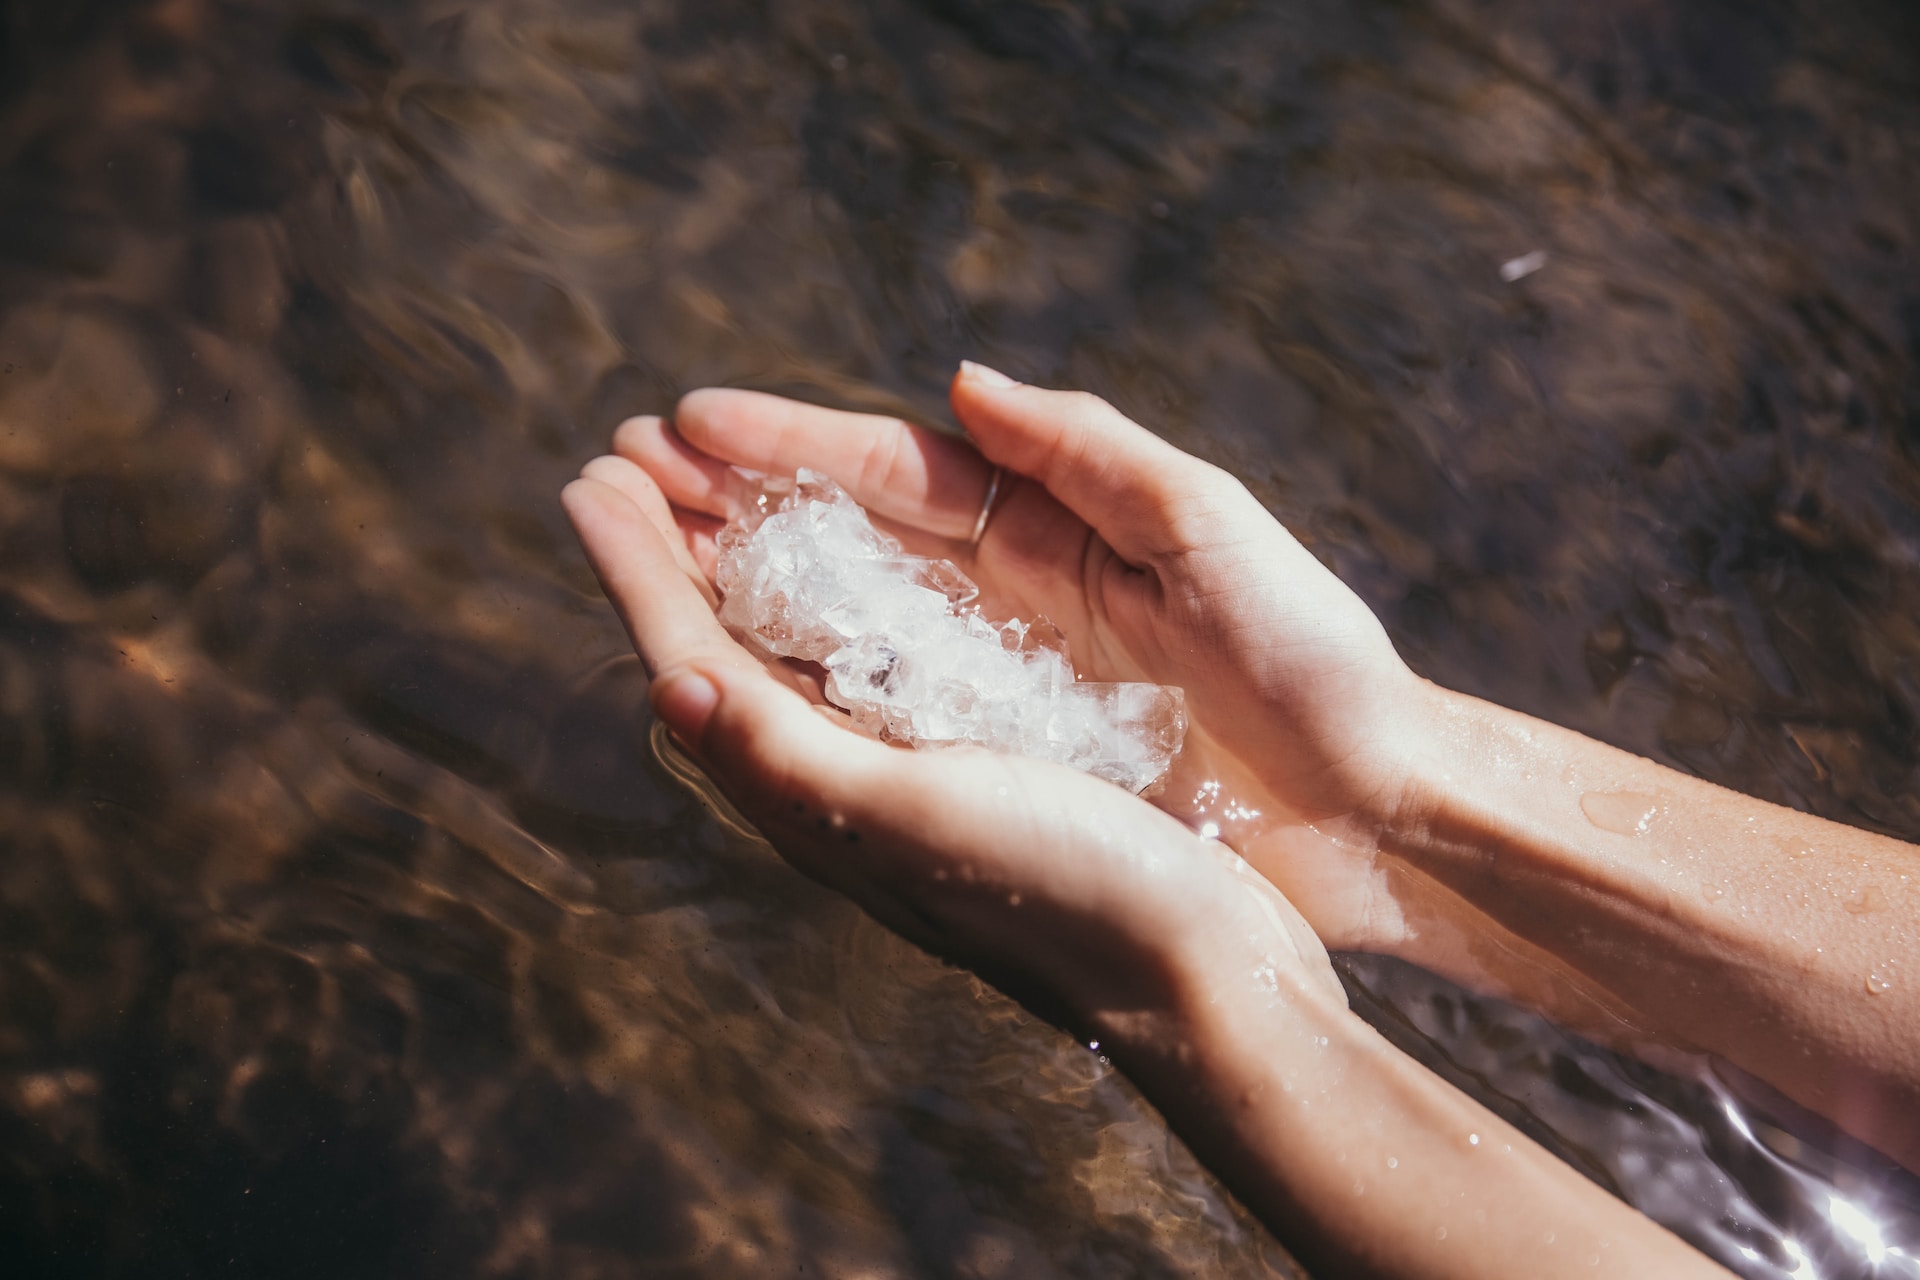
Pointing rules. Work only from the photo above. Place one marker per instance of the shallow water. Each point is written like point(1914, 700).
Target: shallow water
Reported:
point(347, 923)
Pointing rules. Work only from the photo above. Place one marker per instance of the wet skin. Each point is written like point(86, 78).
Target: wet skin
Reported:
point(1394, 815)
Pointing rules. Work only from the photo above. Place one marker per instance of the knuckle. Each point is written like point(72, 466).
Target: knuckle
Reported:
point(1200, 501)
point(1087, 403)
point(1214, 479)
point(1094, 415)
point(882, 460)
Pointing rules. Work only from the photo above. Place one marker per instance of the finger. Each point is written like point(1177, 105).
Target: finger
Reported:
point(1146, 498)
point(639, 489)
point(772, 746)
point(691, 479)
point(698, 486)
point(828, 798)
point(702, 541)
point(912, 474)
point(668, 618)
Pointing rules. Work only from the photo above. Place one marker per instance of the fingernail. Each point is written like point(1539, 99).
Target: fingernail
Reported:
point(986, 377)
point(685, 700)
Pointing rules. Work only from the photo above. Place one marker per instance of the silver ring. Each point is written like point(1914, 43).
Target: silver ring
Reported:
point(986, 506)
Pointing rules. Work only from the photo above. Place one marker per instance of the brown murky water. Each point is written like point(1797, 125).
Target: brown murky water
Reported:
point(348, 926)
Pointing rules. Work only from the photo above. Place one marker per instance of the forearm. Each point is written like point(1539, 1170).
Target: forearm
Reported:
point(1369, 1165)
point(1626, 898)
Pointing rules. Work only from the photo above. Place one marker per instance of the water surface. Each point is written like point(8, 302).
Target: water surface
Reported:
point(347, 924)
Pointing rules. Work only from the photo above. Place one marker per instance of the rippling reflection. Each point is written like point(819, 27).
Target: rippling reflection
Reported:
point(348, 924)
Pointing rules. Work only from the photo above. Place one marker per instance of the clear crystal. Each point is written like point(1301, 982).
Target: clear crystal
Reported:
point(804, 574)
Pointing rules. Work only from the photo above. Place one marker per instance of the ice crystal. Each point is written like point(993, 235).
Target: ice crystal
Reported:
point(804, 574)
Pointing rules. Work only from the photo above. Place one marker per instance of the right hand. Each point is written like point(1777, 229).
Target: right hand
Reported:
point(1156, 565)
point(1076, 897)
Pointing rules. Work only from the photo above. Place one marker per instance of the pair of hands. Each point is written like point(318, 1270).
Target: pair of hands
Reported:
point(1088, 903)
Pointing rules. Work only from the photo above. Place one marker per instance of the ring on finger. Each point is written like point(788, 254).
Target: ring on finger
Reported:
point(986, 506)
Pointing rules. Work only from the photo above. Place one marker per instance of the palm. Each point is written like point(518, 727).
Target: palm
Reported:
point(1278, 660)
point(1205, 591)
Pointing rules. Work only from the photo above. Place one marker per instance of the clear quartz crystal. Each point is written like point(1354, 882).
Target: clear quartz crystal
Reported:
point(804, 574)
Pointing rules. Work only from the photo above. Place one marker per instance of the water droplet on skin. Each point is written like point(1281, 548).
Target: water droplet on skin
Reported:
point(1625, 813)
point(1868, 900)
point(1392, 1163)
point(1439, 1233)
point(1473, 1139)
point(1878, 984)
point(1712, 892)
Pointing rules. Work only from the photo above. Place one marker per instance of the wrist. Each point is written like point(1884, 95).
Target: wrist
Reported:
point(1346, 869)
point(1492, 880)
point(1366, 1163)
point(1454, 828)
point(1244, 1015)
point(1231, 946)
point(1352, 1153)
point(1420, 761)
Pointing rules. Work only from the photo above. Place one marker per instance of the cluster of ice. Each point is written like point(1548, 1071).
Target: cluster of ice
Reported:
point(804, 574)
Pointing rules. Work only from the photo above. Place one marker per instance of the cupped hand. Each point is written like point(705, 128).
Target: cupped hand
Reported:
point(1155, 564)
point(1084, 901)
point(1092, 905)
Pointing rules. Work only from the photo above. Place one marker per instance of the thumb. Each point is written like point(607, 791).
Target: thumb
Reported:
point(838, 806)
point(1147, 498)
point(761, 740)
point(799, 776)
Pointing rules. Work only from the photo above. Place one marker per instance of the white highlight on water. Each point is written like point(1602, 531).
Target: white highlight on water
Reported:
point(1515, 269)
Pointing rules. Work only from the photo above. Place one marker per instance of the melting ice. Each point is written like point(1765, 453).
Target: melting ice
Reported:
point(804, 574)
